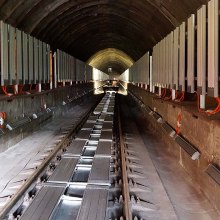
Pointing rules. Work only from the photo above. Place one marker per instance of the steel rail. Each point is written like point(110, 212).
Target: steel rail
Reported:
point(125, 187)
point(63, 143)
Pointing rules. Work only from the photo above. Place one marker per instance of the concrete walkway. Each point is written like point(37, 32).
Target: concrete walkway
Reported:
point(187, 200)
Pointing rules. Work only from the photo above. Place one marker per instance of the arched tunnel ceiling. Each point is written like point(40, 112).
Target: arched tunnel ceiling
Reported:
point(84, 27)
point(111, 58)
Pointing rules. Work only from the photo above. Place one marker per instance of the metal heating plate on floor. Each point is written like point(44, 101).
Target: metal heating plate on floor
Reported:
point(64, 171)
point(83, 135)
point(94, 204)
point(99, 174)
point(44, 203)
point(103, 149)
point(75, 149)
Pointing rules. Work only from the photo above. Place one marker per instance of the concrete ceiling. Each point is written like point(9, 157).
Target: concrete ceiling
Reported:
point(84, 27)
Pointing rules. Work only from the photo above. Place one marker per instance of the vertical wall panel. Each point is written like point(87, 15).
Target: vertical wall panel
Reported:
point(151, 73)
point(191, 54)
point(45, 62)
point(176, 59)
point(182, 60)
point(48, 76)
point(201, 50)
point(19, 56)
point(4, 53)
point(147, 68)
point(25, 58)
point(31, 59)
point(58, 65)
point(55, 69)
point(171, 60)
point(213, 48)
point(36, 61)
point(12, 56)
point(40, 45)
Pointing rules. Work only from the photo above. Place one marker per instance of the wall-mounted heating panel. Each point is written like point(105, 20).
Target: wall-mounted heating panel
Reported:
point(48, 77)
point(151, 73)
point(73, 74)
point(19, 63)
point(44, 58)
point(88, 73)
point(31, 59)
point(12, 78)
point(4, 54)
point(191, 54)
point(162, 73)
point(25, 57)
point(40, 45)
point(80, 68)
point(201, 50)
point(154, 67)
point(170, 59)
point(36, 61)
point(176, 58)
point(68, 67)
point(58, 56)
point(143, 69)
point(55, 67)
point(213, 48)
point(182, 60)
point(64, 66)
point(166, 61)
point(133, 73)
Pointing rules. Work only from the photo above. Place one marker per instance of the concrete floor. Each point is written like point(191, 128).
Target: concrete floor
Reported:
point(173, 192)
point(187, 200)
point(20, 161)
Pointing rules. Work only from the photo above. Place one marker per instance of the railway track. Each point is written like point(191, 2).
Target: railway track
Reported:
point(96, 176)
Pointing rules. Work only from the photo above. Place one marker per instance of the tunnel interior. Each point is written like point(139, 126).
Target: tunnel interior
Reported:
point(139, 78)
point(83, 28)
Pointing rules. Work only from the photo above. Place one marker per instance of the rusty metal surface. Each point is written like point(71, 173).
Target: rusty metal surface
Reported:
point(85, 27)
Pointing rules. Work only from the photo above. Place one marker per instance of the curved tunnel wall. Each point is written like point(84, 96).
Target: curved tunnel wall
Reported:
point(82, 28)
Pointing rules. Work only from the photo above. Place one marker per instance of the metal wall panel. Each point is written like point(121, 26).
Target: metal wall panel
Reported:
point(4, 53)
point(166, 61)
point(191, 54)
point(72, 76)
point(213, 48)
point(58, 58)
point(171, 63)
point(154, 65)
point(36, 61)
point(64, 67)
point(176, 59)
point(55, 69)
point(48, 77)
point(88, 72)
point(19, 55)
point(45, 61)
point(182, 51)
point(201, 50)
point(31, 59)
point(80, 70)
point(40, 70)
point(151, 73)
point(12, 56)
point(25, 57)
point(143, 69)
